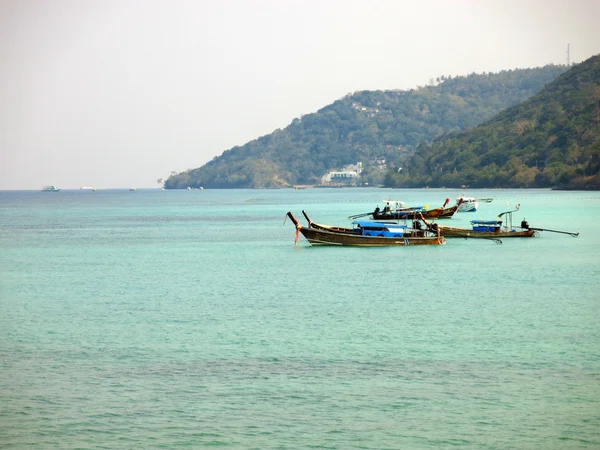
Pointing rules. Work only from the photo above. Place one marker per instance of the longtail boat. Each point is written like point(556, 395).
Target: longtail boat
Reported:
point(366, 233)
point(399, 211)
point(502, 227)
point(485, 229)
point(435, 213)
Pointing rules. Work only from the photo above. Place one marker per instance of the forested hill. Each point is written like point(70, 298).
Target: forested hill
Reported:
point(378, 128)
point(550, 140)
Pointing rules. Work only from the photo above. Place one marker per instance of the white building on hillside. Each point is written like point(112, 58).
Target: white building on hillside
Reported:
point(347, 175)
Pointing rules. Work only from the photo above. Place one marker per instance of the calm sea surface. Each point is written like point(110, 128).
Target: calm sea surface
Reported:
point(167, 319)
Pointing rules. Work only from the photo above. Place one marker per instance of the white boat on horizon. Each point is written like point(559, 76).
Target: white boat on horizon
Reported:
point(87, 188)
point(50, 188)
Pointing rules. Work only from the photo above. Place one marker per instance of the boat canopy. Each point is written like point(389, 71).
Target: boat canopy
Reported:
point(385, 229)
point(486, 222)
point(375, 224)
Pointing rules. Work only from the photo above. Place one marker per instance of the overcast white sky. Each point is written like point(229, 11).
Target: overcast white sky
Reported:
point(118, 93)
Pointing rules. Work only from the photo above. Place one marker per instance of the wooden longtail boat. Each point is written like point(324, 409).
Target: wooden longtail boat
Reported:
point(487, 229)
point(365, 234)
point(435, 213)
point(398, 211)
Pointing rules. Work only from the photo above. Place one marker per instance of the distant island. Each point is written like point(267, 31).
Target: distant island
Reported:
point(535, 127)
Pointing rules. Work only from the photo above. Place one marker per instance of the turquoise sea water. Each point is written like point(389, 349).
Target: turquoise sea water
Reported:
point(168, 319)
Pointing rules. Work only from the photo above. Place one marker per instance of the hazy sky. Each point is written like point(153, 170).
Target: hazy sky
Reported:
point(115, 94)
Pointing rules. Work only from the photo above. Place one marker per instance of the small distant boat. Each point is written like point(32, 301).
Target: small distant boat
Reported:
point(88, 188)
point(133, 189)
point(50, 188)
point(485, 200)
point(366, 233)
point(467, 204)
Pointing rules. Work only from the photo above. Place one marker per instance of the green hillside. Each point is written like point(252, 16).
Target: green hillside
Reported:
point(550, 140)
point(381, 129)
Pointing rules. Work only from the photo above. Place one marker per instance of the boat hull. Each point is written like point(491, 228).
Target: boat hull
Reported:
point(319, 236)
point(467, 208)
